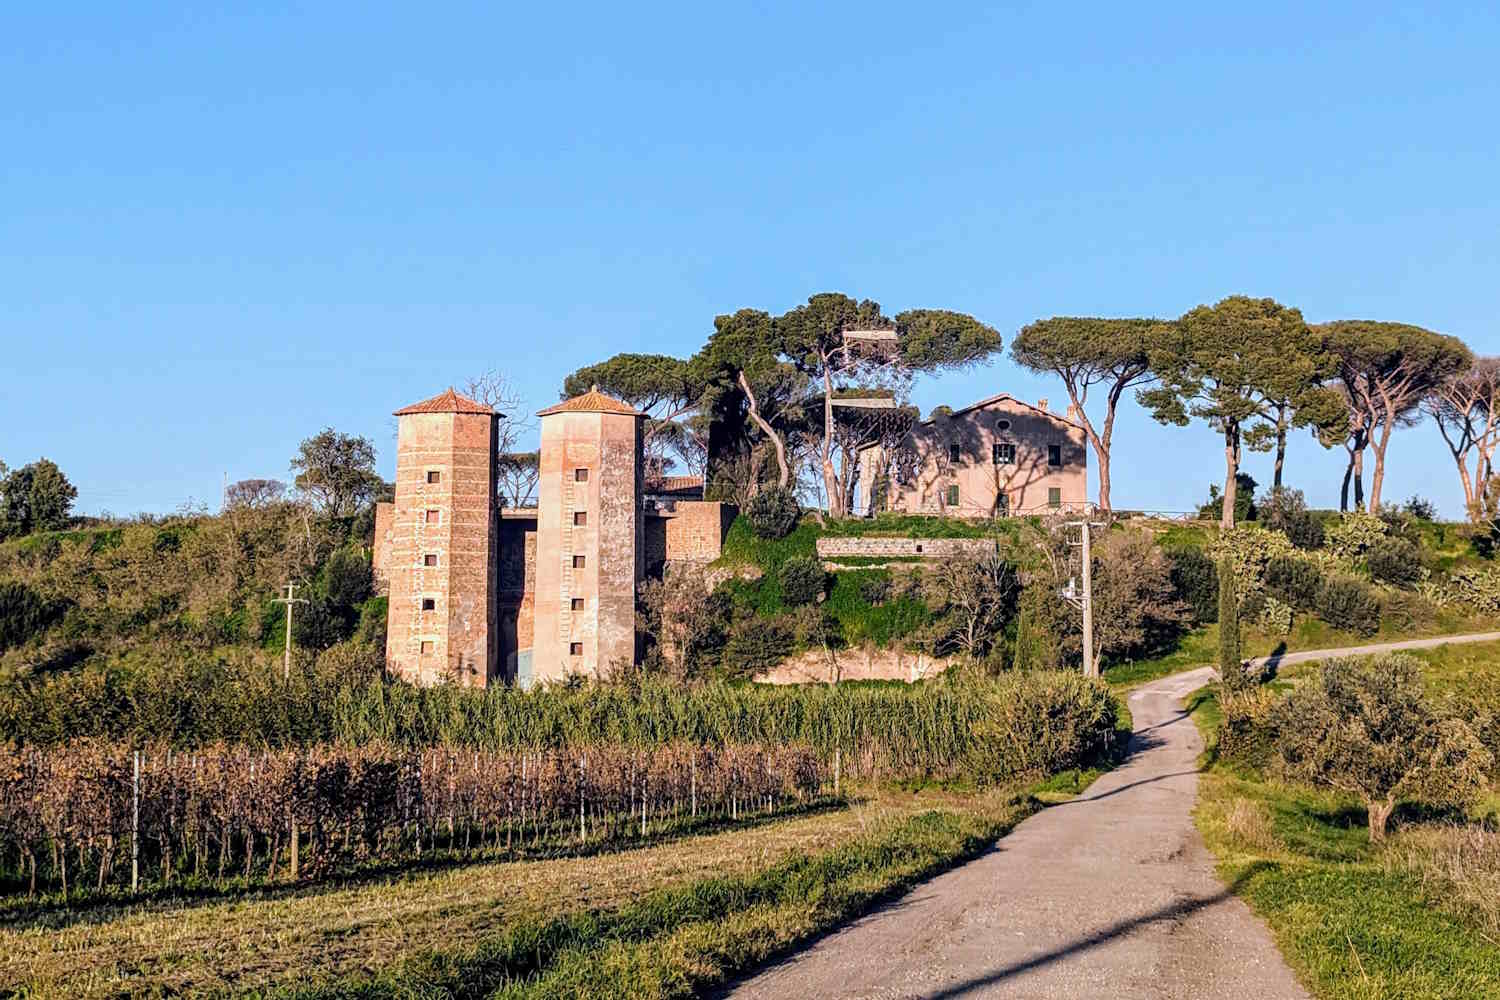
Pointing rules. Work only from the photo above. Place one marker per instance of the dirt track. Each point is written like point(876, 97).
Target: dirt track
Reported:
point(1110, 895)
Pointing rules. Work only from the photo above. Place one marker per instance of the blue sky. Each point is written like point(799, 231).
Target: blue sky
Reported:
point(222, 231)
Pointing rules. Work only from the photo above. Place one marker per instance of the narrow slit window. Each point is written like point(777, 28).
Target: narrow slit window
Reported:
point(580, 518)
point(578, 562)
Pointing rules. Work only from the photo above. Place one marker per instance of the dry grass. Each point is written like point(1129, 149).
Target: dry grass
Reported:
point(335, 932)
point(1249, 824)
point(1458, 868)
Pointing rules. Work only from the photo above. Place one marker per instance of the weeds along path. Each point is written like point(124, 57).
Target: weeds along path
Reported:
point(1112, 894)
point(328, 933)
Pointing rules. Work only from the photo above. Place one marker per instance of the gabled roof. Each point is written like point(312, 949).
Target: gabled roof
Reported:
point(592, 401)
point(675, 484)
point(447, 402)
point(1001, 397)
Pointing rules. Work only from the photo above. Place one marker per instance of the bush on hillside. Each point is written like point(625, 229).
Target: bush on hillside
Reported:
point(1348, 603)
point(802, 580)
point(1477, 588)
point(874, 590)
point(25, 614)
point(1369, 729)
point(1250, 548)
point(1244, 500)
point(1420, 508)
point(1285, 510)
point(1196, 582)
point(1294, 581)
point(1395, 561)
point(756, 645)
point(1354, 534)
point(773, 513)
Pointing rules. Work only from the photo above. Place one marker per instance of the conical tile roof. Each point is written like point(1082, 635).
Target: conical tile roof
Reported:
point(592, 401)
point(446, 402)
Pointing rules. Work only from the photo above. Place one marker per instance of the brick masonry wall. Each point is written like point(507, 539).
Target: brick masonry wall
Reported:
point(695, 531)
point(927, 548)
point(450, 521)
point(517, 589)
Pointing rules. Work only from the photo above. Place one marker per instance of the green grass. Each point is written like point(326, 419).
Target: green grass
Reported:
point(1352, 919)
point(676, 942)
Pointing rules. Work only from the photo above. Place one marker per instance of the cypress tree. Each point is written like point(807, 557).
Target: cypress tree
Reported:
point(1231, 672)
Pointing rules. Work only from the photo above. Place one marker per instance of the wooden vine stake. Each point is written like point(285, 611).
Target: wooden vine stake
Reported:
point(135, 826)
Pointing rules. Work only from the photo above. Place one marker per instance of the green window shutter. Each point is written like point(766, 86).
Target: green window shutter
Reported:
point(953, 496)
point(1054, 497)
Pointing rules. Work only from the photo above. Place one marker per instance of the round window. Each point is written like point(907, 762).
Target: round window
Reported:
point(1004, 425)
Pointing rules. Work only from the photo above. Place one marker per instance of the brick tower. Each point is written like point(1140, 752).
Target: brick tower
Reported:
point(589, 539)
point(439, 537)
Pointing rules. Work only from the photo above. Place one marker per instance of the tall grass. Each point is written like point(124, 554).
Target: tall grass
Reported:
point(978, 729)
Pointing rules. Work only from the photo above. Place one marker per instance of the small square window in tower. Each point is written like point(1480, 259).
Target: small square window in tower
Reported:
point(1054, 455)
point(954, 454)
point(426, 647)
point(430, 559)
point(429, 604)
point(577, 604)
point(578, 562)
point(580, 518)
point(432, 516)
point(580, 475)
point(434, 476)
point(575, 649)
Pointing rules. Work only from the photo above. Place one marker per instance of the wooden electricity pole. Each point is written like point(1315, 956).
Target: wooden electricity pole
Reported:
point(289, 600)
point(1085, 600)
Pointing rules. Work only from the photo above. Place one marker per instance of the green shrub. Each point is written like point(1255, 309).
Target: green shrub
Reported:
point(1275, 617)
point(1245, 736)
point(773, 513)
point(1285, 510)
point(875, 590)
point(756, 645)
point(1244, 500)
point(25, 614)
point(1350, 604)
point(347, 577)
point(1477, 588)
point(802, 580)
point(1394, 561)
point(1294, 581)
point(1251, 548)
point(1354, 534)
point(1196, 580)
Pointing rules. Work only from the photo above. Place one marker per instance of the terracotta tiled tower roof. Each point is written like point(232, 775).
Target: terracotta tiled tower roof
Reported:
point(592, 401)
point(445, 402)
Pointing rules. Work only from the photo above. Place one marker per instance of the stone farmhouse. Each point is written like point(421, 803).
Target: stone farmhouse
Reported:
point(482, 594)
point(992, 458)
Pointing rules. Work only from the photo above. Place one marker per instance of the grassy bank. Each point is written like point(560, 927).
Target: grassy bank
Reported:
point(1417, 917)
point(657, 921)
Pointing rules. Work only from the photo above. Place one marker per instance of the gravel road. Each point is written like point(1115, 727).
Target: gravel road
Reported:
point(1110, 895)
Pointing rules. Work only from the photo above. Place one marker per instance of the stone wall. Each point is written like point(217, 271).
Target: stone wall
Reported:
point(380, 559)
point(695, 531)
point(926, 548)
point(868, 664)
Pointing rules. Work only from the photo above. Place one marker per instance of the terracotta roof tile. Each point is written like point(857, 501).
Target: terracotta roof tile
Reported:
point(592, 401)
point(674, 484)
point(446, 402)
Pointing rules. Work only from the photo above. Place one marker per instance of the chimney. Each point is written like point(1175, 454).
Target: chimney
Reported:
point(1073, 413)
point(1041, 404)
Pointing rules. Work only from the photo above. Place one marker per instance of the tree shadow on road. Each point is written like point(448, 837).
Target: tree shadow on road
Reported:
point(1115, 931)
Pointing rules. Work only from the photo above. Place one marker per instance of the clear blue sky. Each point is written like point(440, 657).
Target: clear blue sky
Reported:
point(224, 231)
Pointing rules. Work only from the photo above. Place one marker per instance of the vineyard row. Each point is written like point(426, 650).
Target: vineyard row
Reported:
point(102, 815)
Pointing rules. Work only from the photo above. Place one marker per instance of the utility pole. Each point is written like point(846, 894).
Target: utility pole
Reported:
point(289, 600)
point(1085, 600)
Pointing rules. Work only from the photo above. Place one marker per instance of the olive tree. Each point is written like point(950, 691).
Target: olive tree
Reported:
point(1231, 364)
point(1369, 730)
point(1086, 352)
